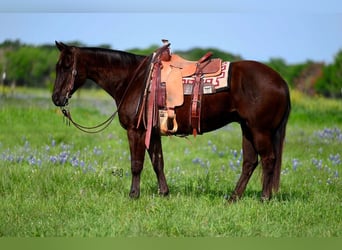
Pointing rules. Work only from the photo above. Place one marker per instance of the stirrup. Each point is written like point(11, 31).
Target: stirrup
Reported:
point(164, 125)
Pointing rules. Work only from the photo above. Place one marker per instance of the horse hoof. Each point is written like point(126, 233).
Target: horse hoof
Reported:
point(264, 199)
point(164, 193)
point(232, 200)
point(134, 195)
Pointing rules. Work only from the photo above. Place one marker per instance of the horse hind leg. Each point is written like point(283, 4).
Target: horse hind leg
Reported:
point(250, 162)
point(271, 160)
point(258, 144)
point(270, 175)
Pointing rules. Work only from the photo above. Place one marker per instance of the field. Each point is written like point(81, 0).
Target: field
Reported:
point(58, 181)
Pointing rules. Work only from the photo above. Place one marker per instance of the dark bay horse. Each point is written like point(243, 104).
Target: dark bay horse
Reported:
point(258, 99)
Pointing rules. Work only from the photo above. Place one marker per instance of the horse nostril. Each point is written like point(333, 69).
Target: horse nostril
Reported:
point(57, 100)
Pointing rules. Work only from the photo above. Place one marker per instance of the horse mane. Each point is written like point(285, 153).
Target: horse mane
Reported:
point(112, 55)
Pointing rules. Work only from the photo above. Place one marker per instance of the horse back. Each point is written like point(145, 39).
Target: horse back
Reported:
point(256, 94)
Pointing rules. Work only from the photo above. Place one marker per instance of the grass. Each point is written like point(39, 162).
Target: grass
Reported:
point(58, 181)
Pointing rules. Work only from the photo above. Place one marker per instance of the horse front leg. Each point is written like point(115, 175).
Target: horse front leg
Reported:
point(156, 155)
point(136, 139)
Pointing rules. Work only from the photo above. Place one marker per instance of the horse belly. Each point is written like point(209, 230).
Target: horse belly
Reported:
point(215, 113)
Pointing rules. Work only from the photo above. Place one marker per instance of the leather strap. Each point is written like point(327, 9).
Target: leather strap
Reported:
point(152, 110)
point(196, 105)
point(205, 57)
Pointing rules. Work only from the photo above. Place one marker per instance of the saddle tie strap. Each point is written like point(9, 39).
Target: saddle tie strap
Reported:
point(196, 105)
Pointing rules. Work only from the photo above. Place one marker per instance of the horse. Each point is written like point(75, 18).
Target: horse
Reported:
point(258, 99)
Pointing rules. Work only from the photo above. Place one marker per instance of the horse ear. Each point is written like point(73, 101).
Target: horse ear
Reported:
point(61, 46)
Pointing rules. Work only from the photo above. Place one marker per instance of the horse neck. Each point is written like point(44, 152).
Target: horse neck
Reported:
point(111, 70)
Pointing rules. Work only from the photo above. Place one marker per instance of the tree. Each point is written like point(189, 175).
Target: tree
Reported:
point(330, 84)
point(196, 53)
point(144, 52)
point(31, 66)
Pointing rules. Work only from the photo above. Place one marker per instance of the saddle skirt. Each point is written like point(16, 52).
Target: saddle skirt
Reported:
point(211, 84)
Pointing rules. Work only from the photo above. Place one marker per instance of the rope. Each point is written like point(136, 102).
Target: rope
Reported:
point(90, 130)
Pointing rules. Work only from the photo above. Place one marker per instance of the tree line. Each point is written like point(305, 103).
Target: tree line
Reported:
point(34, 66)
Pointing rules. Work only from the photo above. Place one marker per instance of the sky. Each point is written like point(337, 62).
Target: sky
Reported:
point(294, 30)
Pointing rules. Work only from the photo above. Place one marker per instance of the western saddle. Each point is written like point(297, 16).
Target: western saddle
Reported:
point(168, 71)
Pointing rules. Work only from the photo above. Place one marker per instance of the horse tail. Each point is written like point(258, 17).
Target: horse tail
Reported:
point(279, 143)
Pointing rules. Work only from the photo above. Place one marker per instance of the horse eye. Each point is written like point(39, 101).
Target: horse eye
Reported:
point(67, 62)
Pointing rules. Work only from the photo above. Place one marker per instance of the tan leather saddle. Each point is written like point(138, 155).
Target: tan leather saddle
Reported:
point(177, 68)
point(174, 69)
point(209, 67)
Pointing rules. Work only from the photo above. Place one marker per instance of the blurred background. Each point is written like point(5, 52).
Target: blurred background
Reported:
point(302, 40)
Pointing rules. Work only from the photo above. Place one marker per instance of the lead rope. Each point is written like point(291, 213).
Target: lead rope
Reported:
point(89, 130)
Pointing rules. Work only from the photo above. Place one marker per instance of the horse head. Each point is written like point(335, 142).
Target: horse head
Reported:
point(70, 74)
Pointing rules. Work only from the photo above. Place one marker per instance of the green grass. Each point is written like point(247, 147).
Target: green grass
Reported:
point(58, 181)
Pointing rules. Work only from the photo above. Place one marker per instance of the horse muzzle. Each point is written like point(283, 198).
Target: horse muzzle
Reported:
point(60, 101)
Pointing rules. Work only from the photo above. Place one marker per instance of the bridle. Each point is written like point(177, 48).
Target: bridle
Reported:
point(66, 112)
point(72, 81)
point(102, 126)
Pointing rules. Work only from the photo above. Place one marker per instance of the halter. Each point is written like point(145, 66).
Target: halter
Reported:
point(67, 114)
point(102, 126)
point(72, 80)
